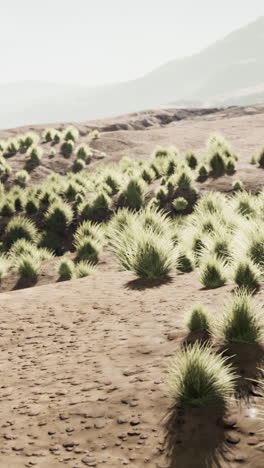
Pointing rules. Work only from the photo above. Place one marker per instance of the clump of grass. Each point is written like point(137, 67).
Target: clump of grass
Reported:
point(78, 165)
point(22, 177)
point(185, 261)
point(8, 208)
point(203, 171)
point(241, 322)
point(87, 248)
point(35, 155)
point(94, 134)
point(59, 216)
point(4, 265)
point(180, 204)
point(237, 185)
point(213, 273)
point(133, 196)
point(67, 148)
point(28, 267)
point(191, 160)
point(217, 164)
point(83, 269)
point(260, 158)
point(32, 206)
point(20, 228)
point(148, 254)
point(84, 152)
point(198, 320)
point(66, 269)
point(246, 274)
point(198, 377)
point(71, 133)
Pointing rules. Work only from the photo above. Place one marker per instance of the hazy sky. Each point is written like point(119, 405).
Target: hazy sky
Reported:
point(100, 41)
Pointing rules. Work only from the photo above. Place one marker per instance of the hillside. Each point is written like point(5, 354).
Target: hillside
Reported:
point(231, 71)
point(85, 356)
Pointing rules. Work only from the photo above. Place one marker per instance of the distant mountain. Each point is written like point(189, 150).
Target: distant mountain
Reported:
point(229, 72)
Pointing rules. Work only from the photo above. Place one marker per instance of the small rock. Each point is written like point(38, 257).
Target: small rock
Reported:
point(232, 439)
point(89, 461)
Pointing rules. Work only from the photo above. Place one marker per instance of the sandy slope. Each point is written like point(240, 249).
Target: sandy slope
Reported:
point(84, 363)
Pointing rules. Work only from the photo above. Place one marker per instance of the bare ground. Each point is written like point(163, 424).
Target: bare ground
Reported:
point(84, 362)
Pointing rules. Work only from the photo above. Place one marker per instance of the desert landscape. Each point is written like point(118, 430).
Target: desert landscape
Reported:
point(131, 297)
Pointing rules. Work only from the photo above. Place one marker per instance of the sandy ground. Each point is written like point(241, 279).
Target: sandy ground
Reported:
point(84, 362)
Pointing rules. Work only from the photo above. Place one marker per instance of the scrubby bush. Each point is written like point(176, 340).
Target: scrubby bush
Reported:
point(66, 269)
point(241, 323)
point(230, 166)
point(184, 180)
point(217, 164)
point(94, 134)
point(89, 229)
point(52, 153)
point(203, 171)
point(20, 228)
point(213, 273)
point(4, 265)
point(59, 216)
point(198, 320)
point(199, 377)
point(35, 155)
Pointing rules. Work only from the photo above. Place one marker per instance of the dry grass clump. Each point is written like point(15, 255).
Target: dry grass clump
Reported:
point(246, 274)
point(59, 216)
point(198, 320)
point(83, 269)
point(70, 133)
point(146, 253)
point(66, 269)
point(22, 177)
point(28, 267)
point(198, 377)
point(20, 228)
point(213, 273)
point(133, 195)
point(242, 322)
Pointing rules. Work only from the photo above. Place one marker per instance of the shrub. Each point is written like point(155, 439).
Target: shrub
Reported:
point(19, 203)
point(29, 139)
point(83, 269)
point(52, 153)
point(245, 204)
point(59, 216)
point(148, 254)
point(256, 245)
point(241, 322)
point(28, 267)
point(66, 268)
point(180, 204)
point(161, 152)
point(198, 320)
point(67, 148)
point(213, 273)
point(71, 134)
point(22, 177)
point(246, 274)
point(89, 229)
point(20, 228)
point(200, 378)
point(133, 196)
point(230, 166)
point(237, 185)
point(253, 160)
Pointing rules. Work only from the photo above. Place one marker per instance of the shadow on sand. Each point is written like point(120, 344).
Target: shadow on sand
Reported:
point(24, 283)
point(142, 283)
point(247, 361)
point(195, 437)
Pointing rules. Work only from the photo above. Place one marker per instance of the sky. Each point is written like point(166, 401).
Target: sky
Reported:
point(105, 41)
